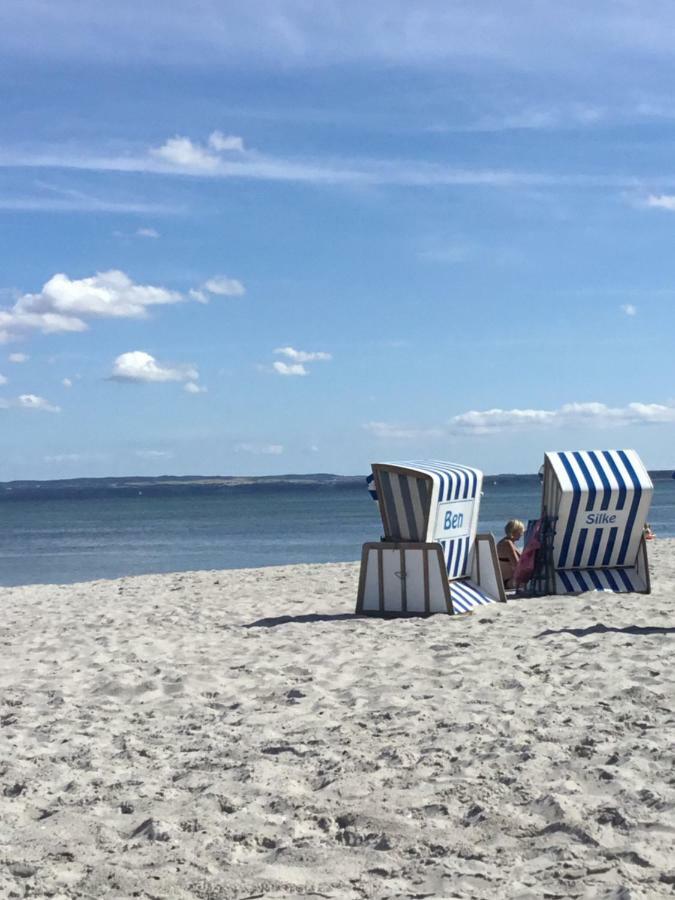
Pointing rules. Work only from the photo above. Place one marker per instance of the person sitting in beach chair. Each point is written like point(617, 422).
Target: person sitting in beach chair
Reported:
point(507, 552)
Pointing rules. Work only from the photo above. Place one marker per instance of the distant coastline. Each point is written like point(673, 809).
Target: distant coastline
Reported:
point(201, 484)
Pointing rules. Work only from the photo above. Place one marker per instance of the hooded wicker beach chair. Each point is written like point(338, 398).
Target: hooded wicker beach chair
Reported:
point(430, 558)
point(594, 509)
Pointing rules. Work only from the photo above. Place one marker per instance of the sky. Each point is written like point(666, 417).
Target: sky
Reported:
point(293, 236)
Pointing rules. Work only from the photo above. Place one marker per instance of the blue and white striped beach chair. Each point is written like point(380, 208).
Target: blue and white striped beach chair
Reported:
point(430, 559)
point(597, 502)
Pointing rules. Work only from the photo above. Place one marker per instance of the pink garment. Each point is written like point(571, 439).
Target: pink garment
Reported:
point(525, 567)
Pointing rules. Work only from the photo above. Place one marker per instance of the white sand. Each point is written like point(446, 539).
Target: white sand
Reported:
point(156, 742)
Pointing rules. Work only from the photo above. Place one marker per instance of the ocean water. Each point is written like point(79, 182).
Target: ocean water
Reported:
point(74, 537)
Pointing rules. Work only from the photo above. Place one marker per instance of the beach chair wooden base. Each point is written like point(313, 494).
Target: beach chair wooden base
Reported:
point(410, 579)
point(403, 579)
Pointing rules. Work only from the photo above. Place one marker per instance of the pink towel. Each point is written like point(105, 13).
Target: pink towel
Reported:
point(525, 566)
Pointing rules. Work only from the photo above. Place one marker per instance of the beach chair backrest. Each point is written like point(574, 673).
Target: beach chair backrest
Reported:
point(600, 499)
point(431, 501)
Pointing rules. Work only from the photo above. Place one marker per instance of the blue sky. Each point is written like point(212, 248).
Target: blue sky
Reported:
point(298, 236)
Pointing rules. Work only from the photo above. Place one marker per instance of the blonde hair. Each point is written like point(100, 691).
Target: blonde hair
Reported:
point(512, 526)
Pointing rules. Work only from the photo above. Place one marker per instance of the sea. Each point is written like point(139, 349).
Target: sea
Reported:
point(69, 536)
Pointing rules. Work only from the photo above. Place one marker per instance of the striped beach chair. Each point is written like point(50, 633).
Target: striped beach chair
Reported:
point(596, 503)
point(431, 558)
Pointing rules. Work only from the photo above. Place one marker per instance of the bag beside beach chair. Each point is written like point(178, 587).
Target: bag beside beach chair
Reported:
point(594, 506)
point(430, 559)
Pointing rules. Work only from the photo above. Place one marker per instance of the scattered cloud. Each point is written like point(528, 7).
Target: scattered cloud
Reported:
point(628, 309)
point(65, 457)
point(189, 156)
point(293, 369)
point(67, 382)
point(154, 454)
point(302, 356)
point(661, 201)
point(298, 359)
point(141, 367)
point(264, 449)
point(30, 401)
point(18, 357)
point(225, 142)
point(147, 233)
point(192, 387)
point(185, 155)
point(222, 286)
point(3, 379)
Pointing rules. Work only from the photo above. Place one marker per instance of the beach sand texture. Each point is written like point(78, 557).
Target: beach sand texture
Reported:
point(240, 734)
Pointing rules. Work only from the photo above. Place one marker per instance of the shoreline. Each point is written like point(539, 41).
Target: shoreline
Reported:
point(228, 733)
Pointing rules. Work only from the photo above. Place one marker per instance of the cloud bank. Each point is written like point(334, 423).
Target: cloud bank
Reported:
point(498, 421)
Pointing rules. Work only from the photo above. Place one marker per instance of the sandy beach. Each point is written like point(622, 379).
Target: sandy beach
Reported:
point(240, 734)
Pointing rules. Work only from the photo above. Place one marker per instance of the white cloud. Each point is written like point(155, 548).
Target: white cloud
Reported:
point(65, 457)
point(67, 383)
point(147, 233)
point(3, 379)
point(629, 309)
point(138, 366)
point(30, 401)
point(661, 201)
point(388, 431)
point(265, 449)
point(495, 421)
point(192, 388)
point(182, 156)
point(190, 156)
point(593, 414)
point(154, 454)
point(18, 357)
point(65, 304)
point(225, 142)
point(182, 153)
point(222, 286)
point(302, 356)
point(293, 369)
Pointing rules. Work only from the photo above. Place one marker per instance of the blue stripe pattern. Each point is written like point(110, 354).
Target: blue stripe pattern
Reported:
point(605, 508)
point(571, 522)
point(619, 580)
point(465, 596)
point(637, 494)
point(607, 488)
point(456, 483)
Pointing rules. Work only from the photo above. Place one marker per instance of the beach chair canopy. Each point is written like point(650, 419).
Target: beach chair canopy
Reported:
point(598, 500)
point(431, 501)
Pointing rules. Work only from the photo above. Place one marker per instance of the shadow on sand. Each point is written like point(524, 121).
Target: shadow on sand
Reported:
point(301, 620)
point(599, 628)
